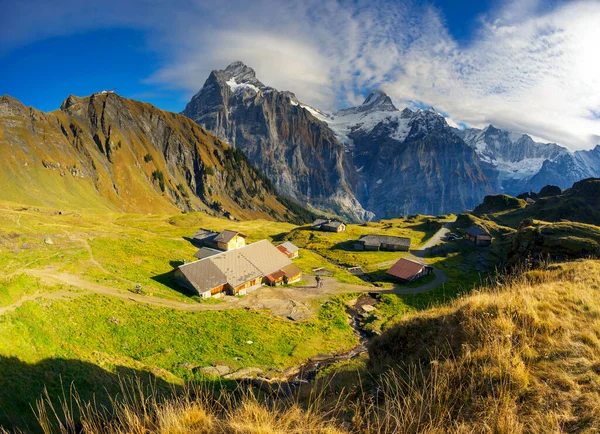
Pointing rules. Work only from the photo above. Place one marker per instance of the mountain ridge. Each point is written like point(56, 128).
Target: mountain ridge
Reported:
point(295, 145)
point(111, 153)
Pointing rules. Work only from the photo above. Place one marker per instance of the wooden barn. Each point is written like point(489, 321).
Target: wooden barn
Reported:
point(383, 242)
point(478, 235)
point(236, 271)
point(407, 270)
point(226, 240)
point(329, 225)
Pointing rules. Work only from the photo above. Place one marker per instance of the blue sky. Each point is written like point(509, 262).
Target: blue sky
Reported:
point(524, 65)
point(44, 72)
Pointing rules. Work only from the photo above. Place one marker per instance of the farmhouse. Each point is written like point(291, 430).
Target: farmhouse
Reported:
point(328, 225)
point(235, 271)
point(289, 249)
point(478, 235)
point(407, 270)
point(226, 240)
point(383, 242)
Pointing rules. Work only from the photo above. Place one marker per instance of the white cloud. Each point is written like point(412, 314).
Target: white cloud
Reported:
point(528, 69)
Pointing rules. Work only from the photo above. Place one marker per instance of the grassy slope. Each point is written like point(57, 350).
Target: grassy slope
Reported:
point(521, 358)
point(104, 154)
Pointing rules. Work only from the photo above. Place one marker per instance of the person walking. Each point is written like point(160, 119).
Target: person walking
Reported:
point(318, 279)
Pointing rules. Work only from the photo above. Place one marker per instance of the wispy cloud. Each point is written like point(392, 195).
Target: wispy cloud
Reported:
point(528, 68)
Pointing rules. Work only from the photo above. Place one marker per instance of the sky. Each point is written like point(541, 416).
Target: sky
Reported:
point(528, 66)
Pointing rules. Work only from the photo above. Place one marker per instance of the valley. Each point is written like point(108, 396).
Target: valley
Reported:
point(68, 293)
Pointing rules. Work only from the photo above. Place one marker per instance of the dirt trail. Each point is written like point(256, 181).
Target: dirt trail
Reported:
point(287, 302)
point(58, 295)
point(53, 276)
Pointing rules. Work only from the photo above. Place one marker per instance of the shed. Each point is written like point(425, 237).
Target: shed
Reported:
point(292, 273)
point(383, 242)
point(289, 249)
point(275, 278)
point(478, 235)
point(407, 270)
point(334, 226)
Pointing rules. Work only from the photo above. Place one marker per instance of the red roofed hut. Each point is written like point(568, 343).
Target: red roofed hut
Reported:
point(407, 270)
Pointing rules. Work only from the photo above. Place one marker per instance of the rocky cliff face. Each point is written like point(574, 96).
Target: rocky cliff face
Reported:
point(285, 141)
point(418, 165)
point(107, 152)
point(370, 161)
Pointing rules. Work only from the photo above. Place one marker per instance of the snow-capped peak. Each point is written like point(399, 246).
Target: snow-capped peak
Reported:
point(239, 73)
point(376, 101)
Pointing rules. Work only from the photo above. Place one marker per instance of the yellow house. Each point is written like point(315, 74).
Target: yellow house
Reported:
point(229, 240)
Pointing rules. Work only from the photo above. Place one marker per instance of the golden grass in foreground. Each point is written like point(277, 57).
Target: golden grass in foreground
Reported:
point(523, 357)
point(520, 357)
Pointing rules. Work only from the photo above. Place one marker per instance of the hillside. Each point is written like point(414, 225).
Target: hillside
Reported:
point(108, 153)
point(519, 357)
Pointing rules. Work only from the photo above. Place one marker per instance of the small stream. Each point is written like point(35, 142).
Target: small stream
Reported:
point(307, 371)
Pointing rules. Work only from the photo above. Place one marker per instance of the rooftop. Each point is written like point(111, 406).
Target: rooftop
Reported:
point(406, 269)
point(476, 231)
point(385, 239)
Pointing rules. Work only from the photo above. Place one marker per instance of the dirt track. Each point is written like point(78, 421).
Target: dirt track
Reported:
point(290, 302)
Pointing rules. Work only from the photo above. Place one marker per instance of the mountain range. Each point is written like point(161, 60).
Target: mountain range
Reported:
point(246, 150)
point(109, 153)
point(375, 161)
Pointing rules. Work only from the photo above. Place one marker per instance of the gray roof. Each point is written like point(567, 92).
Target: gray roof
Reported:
point(376, 240)
point(204, 235)
point(227, 235)
point(319, 222)
point(290, 247)
point(476, 231)
point(206, 252)
point(291, 270)
point(203, 274)
point(235, 267)
point(265, 256)
point(333, 224)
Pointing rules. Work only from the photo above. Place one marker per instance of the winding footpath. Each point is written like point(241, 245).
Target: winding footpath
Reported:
point(282, 301)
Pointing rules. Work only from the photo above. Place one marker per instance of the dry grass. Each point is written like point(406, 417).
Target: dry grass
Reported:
point(522, 356)
point(139, 410)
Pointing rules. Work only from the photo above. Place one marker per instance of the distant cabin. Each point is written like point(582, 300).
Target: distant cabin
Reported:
point(328, 225)
point(236, 271)
point(226, 240)
point(407, 270)
point(383, 242)
point(289, 249)
point(478, 235)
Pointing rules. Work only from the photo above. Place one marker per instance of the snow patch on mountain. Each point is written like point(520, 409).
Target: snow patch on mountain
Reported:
point(240, 87)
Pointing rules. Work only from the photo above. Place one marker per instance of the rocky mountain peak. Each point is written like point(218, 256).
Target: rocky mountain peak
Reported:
point(407, 113)
point(380, 100)
point(376, 101)
point(239, 73)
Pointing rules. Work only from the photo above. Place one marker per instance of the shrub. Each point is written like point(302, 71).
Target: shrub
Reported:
point(159, 176)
